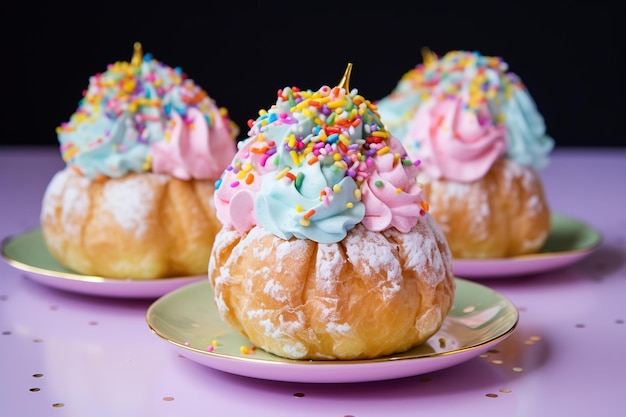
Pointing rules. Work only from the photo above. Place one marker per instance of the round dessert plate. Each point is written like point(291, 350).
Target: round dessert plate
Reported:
point(28, 252)
point(188, 321)
point(569, 241)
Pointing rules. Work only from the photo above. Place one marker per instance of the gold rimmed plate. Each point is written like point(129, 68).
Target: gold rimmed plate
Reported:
point(188, 321)
point(569, 241)
point(28, 253)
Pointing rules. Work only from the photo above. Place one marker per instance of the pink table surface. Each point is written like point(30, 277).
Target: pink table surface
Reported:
point(68, 354)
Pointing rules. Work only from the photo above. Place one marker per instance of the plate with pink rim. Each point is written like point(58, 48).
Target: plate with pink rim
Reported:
point(27, 252)
point(187, 320)
point(569, 241)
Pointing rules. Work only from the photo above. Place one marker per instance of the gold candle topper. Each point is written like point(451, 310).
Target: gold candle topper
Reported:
point(428, 56)
point(137, 55)
point(345, 81)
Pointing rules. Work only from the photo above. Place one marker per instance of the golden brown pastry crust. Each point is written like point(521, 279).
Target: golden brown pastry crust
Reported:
point(140, 226)
point(503, 214)
point(370, 295)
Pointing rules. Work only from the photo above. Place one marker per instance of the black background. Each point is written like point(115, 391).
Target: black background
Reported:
point(571, 58)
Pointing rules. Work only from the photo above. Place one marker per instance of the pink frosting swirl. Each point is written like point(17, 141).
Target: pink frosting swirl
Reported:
point(392, 196)
point(240, 183)
point(456, 142)
point(193, 148)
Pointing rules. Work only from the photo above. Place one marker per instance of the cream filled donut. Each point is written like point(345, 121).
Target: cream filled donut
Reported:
point(327, 249)
point(481, 141)
point(143, 152)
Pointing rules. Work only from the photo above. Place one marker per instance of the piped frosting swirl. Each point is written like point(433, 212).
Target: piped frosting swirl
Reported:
point(465, 108)
point(314, 165)
point(143, 116)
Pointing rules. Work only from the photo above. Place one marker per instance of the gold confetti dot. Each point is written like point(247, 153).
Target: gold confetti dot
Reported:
point(37, 375)
point(490, 395)
point(442, 342)
point(168, 398)
point(58, 405)
point(35, 389)
point(496, 362)
point(518, 369)
point(505, 390)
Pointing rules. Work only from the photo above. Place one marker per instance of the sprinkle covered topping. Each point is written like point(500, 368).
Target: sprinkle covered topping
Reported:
point(490, 96)
point(310, 165)
point(130, 107)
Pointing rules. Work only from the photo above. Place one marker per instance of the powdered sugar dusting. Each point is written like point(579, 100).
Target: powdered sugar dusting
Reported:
point(275, 290)
point(377, 256)
point(295, 247)
point(284, 327)
point(53, 192)
point(70, 199)
point(336, 328)
point(456, 190)
point(295, 350)
point(225, 237)
point(533, 205)
point(456, 193)
point(513, 171)
point(259, 252)
point(422, 250)
point(75, 203)
point(129, 202)
point(327, 263)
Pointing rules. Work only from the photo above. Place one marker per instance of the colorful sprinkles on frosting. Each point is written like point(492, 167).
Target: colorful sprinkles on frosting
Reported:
point(128, 107)
point(483, 77)
point(490, 95)
point(336, 113)
point(309, 162)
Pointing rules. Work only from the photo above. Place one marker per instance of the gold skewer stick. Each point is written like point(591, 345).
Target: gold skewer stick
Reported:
point(137, 55)
point(428, 56)
point(345, 81)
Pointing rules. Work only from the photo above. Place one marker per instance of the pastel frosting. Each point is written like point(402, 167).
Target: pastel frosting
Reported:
point(316, 164)
point(144, 116)
point(465, 109)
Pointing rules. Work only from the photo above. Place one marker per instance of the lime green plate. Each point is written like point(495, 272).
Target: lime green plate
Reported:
point(188, 321)
point(27, 252)
point(569, 241)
